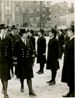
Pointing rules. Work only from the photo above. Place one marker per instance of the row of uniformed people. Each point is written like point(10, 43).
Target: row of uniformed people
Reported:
point(64, 43)
point(55, 49)
point(20, 47)
point(5, 58)
point(52, 56)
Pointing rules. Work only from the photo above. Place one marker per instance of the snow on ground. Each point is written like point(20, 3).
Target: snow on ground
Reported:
point(41, 88)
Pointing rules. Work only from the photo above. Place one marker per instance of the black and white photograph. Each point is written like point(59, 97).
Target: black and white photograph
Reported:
point(37, 49)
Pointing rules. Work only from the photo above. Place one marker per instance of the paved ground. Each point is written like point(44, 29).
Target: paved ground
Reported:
point(41, 88)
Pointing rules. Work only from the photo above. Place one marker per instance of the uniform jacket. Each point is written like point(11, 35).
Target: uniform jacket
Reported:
point(5, 58)
point(5, 50)
point(68, 67)
point(32, 38)
point(41, 50)
point(24, 53)
point(53, 54)
point(61, 43)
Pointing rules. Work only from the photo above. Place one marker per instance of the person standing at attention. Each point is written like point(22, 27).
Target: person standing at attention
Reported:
point(41, 51)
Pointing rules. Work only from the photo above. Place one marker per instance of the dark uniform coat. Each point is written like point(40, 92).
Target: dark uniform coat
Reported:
point(41, 50)
point(61, 43)
point(32, 38)
point(53, 54)
point(24, 53)
point(68, 68)
point(5, 58)
point(14, 39)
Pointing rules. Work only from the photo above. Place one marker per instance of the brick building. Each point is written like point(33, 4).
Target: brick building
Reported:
point(33, 14)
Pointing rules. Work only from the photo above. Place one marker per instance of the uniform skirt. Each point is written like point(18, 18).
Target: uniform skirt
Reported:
point(24, 70)
point(4, 71)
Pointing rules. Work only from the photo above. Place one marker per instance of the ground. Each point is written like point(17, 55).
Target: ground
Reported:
point(41, 88)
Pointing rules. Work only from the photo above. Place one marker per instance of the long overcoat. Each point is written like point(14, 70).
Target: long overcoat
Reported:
point(68, 67)
point(53, 54)
point(41, 50)
point(61, 43)
point(24, 53)
point(32, 38)
point(5, 58)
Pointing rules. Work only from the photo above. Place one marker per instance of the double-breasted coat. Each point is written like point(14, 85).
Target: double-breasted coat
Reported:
point(53, 54)
point(24, 53)
point(5, 58)
point(41, 50)
point(68, 67)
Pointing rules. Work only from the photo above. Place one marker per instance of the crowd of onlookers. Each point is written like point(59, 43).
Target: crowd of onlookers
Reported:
point(18, 49)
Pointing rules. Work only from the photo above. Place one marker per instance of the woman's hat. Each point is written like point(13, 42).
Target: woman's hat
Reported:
point(22, 31)
point(71, 27)
point(53, 31)
point(32, 32)
point(42, 31)
point(13, 27)
point(3, 26)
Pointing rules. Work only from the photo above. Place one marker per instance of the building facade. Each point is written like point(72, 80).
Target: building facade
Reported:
point(32, 14)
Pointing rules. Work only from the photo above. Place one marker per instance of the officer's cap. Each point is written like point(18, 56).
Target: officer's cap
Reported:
point(22, 31)
point(3, 26)
point(32, 32)
point(13, 27)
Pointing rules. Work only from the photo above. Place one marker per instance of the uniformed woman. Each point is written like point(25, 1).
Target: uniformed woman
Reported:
point(5, 59)
point(24, 52)
point(52, 56)
point(68, 71)
point(41, 51)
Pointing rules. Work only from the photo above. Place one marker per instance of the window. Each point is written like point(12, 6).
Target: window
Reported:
point(31, 19)
point(37, 19)
point(31, 10)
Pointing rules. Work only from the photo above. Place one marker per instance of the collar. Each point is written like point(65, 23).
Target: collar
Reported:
point(72, 37)
point(2, 36)
point(52, 37)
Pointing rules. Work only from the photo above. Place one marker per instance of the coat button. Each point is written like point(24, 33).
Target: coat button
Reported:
point(5, 54)
point(22, 48)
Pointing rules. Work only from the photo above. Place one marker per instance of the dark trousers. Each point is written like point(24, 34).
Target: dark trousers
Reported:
point(41, 67)
point(54, 72)
point(22, 82)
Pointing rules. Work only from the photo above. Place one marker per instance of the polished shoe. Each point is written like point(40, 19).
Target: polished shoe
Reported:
point(52, 83)
point(49, 81)
point(32, 94)
point(22, 90)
